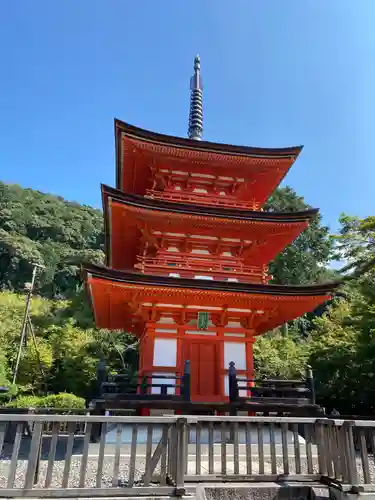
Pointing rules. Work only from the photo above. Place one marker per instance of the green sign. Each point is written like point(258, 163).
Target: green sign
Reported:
point(203, 319)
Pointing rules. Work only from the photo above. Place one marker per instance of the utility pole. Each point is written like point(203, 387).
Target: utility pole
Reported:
point(26, 318)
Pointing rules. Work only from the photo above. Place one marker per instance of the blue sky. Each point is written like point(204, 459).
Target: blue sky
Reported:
point(275, 73)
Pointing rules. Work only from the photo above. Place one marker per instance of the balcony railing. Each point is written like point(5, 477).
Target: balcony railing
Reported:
point(190, 266)
point(155, 391)
point(202, 199)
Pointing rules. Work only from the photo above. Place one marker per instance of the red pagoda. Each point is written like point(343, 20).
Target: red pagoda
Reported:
point(187, 252)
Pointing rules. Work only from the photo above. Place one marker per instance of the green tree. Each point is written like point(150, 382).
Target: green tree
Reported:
point(355, 244)
point(67, 352)
point(343, 350)
point(36, 362)
point(37, 227)
point(17, 254)
point(74, 368)
point(333, 353)
point(278, 355)
point(343, 339)
point(306, 259)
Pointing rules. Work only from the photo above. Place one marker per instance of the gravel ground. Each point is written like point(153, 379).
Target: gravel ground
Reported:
point(140, 465)
point(74, 476)
point(108, 467)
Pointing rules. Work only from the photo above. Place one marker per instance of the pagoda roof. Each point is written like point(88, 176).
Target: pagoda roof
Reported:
point(206, 210)
point(132, 277)
point(137, 149)
point(126, 215)
point(114, 294)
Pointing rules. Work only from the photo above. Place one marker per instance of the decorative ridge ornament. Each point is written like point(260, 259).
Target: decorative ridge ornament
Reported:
point(196, 103)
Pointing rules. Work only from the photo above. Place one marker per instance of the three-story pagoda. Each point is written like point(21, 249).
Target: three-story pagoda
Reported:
point(187, 252)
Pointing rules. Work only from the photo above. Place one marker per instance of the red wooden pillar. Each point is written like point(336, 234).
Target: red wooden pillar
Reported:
point(250, 366)
point(146, 354)
point(144, 412)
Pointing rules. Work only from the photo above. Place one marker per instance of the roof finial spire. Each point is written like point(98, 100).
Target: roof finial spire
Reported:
point(196, 103)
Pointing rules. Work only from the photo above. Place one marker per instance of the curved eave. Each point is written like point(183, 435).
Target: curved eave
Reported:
point(181, 142)
point(130, 277)
point(123, 129)
point(203, 210)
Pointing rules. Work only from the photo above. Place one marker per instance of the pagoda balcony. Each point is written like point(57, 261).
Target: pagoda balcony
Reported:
point(212, 199)
point(188, 268)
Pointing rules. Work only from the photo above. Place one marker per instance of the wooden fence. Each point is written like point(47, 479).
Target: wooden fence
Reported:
point(163, 455)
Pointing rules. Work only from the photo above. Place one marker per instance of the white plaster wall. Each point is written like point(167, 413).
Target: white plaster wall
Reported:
point(166, 319)
point(165, 330)
point(204, 237)
point(200, 332)
point(200, 251)
point(234, 323)
point(235, 351)
point(165, 352)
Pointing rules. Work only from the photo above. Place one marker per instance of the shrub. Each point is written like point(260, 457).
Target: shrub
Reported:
point(62, 400)
point(24, 402)
point(276, 355)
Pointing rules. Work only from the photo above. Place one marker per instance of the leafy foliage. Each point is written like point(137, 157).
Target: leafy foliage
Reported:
point(62, 400)
point(67, 353)
point(340, 343)
point(278, 355)
point(355, 244)
point(36, 227)
point(332, 353)
point(305, 260)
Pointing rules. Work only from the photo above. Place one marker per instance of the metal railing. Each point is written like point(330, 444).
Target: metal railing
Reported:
point(162, 455)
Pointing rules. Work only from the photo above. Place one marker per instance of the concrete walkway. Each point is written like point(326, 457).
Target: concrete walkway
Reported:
point(157, 432)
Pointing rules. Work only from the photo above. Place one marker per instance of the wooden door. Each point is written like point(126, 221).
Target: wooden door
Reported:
point(205, 379)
